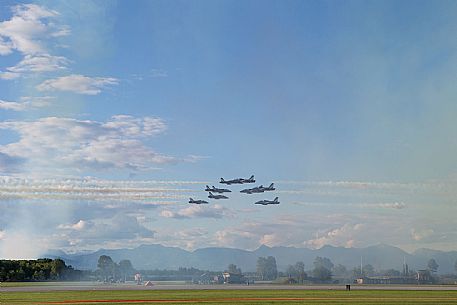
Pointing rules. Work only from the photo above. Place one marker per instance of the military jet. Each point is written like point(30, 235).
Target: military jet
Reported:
point(267, 202)
point(257, 189)
point(270, 188)
point(216, 190)
point(197, 201)
point(238, 181)
point(212, 196)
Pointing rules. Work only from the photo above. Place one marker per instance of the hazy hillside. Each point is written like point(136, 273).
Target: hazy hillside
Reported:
point(158, 256)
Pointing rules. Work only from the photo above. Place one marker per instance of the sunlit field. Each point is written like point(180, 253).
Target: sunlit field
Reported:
point(230, 297)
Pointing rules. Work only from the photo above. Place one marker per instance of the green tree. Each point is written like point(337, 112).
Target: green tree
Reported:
point(368, 270)
point(322, 274)
point(106, 266)
point(126, 268)
point(432, 265)
point(340, 270)
point(322, 268)
point(57, 268)
point(297, 272)
point(266, 268)
point(233, 269)
point(323, 262)
point(291, 271)
point(300, 270)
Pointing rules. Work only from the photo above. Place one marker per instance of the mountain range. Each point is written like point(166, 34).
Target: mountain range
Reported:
point(156, 256)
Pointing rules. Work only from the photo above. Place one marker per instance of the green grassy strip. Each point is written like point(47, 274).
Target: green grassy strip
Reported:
point(217, 296)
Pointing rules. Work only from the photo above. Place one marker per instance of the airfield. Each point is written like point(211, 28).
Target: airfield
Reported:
point(79, 286)
point(97, 293)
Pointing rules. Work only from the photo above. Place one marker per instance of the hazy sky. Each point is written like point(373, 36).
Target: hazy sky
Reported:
point(114, 113)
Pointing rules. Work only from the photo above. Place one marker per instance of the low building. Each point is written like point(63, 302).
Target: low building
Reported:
point(387, 280)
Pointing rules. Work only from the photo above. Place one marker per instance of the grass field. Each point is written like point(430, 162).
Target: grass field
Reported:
point(239, 297)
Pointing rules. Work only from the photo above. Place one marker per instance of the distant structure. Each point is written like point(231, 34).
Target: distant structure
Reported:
point(406, 277)
point(405, 268)
point(233, 278)
point(138, 279)
point(424, 277)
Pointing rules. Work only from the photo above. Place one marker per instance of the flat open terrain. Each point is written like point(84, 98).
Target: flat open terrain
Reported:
point(228, 295)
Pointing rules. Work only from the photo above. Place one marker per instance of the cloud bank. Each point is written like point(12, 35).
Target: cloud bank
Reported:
point(77, 84)
point(67, 143)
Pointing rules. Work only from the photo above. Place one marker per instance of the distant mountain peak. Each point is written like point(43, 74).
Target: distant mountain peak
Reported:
point(263, 247)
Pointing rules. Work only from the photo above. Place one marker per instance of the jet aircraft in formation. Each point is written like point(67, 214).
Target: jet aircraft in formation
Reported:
point(217, 190)
point(258, 189)
point(197, 201)
point(212, 196)
point(238, 181)
point(267, 202)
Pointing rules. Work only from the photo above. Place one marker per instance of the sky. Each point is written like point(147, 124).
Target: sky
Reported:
point(114, 113)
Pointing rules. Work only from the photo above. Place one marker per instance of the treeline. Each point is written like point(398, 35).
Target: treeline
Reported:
point(37, 270)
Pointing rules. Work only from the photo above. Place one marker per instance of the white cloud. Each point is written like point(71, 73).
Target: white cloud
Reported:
point(9, 75)
point(198, 211)
point(421, 234)
point(26, 103)
point(342, 236)
point(119, 227)
point(80, 225)
point(15, 106)
point(77, 84)
point(64, 143)
point(27, 29)
point(28, 32)
point(39, 63)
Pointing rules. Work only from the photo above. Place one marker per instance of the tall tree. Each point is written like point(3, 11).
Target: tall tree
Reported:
point(291, 271)
point(262, 267)
point(106, 266)
point(432, 265)
point(126, 268)
point(272, 268)
point(266, 268)
point(322, 268)
point(322, 274)
point(340, 270)
point(57, 268)
point(300, 269)
point(323, 262)
point(368, 270)
point(233, 269)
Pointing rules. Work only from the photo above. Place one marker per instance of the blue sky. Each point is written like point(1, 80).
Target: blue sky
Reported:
point(349, 107)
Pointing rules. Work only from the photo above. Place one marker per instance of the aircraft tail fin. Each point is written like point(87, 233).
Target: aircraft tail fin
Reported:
point(191, 199)
point(211, 194)
point(271, 185)
point(276, 199)
point(252, 177)
point(222, 180)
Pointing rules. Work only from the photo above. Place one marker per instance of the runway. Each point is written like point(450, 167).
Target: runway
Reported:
point(82, 286)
